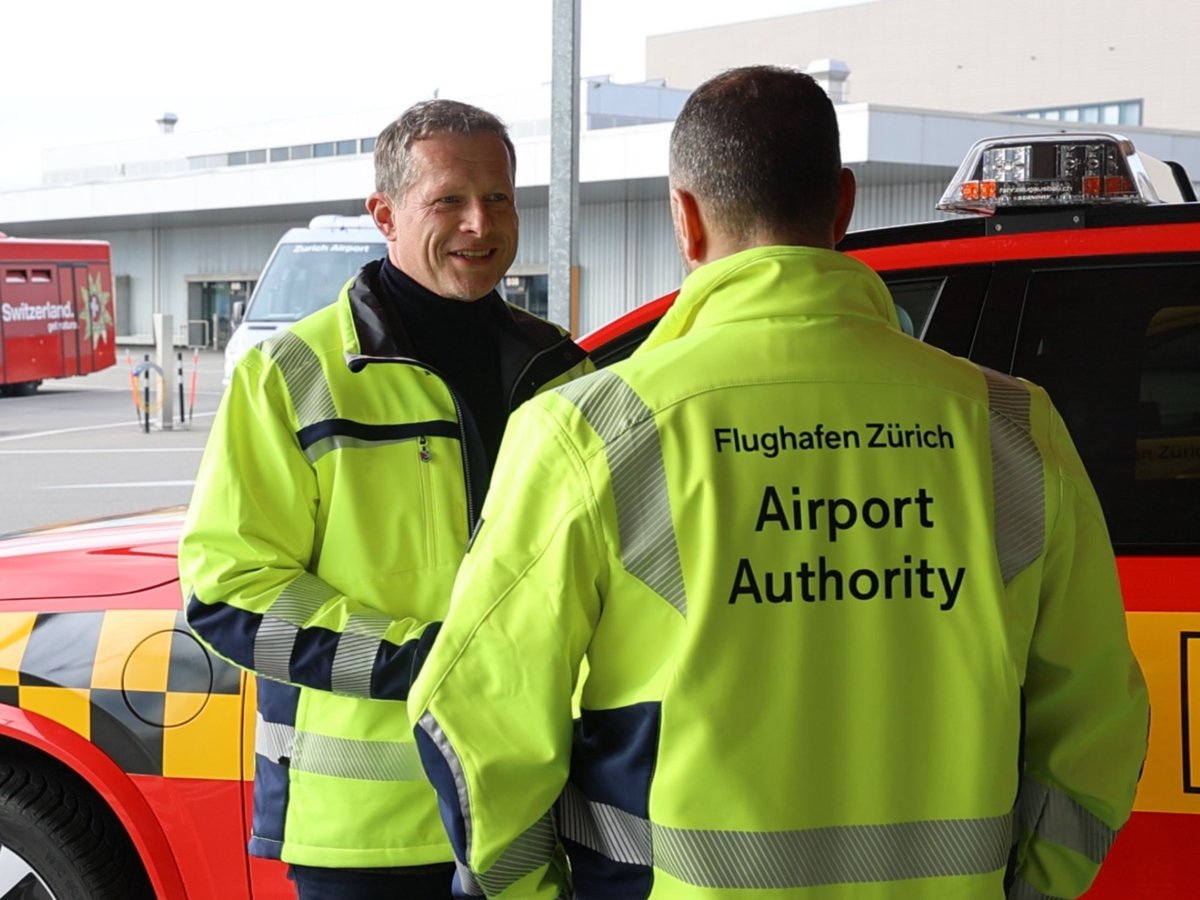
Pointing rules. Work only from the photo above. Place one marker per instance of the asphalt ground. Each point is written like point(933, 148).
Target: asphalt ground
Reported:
point(76, 449)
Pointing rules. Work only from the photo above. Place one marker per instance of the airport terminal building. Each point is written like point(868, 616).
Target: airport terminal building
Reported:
point(192, 217)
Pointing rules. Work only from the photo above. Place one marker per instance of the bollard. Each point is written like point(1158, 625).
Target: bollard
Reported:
point(146, 396)
point(137, 409)
point(192, 391)
point(179, 372)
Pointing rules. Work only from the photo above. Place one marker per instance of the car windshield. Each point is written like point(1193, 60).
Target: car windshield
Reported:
point(301, 278)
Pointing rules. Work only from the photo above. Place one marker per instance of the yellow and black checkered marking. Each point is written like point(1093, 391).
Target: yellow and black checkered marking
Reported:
point(136, 683)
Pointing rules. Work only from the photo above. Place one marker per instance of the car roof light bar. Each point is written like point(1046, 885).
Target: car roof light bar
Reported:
point(1040, 170)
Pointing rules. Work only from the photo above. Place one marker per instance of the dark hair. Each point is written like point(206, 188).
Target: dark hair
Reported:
point(393, 157)
point(759, 147)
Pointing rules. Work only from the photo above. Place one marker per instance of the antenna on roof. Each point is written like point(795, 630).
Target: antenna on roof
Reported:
point(167, 122)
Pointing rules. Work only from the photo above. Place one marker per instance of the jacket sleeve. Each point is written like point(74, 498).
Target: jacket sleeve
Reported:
point(1087, 713)
point(246, 550)
point(492, 708)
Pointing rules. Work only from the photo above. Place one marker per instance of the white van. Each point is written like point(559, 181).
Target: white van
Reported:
point(305, 272)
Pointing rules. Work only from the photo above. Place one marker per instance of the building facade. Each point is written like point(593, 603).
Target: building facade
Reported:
point(192, 217)
point(1116, 63)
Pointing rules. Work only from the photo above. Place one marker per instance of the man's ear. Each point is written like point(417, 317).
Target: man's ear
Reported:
point(380, 209)
point(689, 227)
point(845, 209)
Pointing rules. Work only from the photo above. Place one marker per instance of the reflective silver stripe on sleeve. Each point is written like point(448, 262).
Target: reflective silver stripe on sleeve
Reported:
point(529, 852)
point(1023, 890)
point(466, 879)
point(357, 650)
point(281, 624)
point(1054, 817)
point(273, 740)
point(321, 754)
point(429, 725)
point(635, 460)
point(611, 832)
point(340, 441)
point(1017, 477)
point(849, 854)
point(305, 379)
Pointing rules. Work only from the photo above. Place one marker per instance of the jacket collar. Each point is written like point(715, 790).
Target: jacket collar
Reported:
point(532, 350)
point(774, 282)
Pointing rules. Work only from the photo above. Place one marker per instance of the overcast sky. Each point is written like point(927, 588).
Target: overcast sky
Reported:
point(75, 72)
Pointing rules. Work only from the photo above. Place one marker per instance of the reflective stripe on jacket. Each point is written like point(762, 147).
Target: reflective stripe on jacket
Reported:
point(333, 505)
point(848, 606)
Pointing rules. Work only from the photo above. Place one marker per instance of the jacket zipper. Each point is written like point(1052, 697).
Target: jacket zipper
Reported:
point(466, 456)
point(424, 453)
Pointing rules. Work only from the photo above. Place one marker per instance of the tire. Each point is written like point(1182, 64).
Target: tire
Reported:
point(59, 842)
point(20, 389)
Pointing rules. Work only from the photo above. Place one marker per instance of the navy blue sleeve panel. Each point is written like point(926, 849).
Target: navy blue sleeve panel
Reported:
point(612, 762)
point(229, 631)
point(396, 668)
point(311, 662)
point(308, 657)
point(437, 769)
point(614, 754)
point(608, 879)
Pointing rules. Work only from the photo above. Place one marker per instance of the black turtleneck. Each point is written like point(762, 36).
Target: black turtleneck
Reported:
point(459, 340)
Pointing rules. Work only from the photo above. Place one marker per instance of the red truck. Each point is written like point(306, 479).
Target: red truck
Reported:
point(57, 311)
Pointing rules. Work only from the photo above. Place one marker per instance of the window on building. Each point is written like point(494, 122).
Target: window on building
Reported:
point(1125, 112)
point(256, 156)
point(346, 148)
point(237, 158)
point(323, 149)
point(302, 151)
point(280, 154)
point(367, 145)
point(208, 162)
point(530, 292)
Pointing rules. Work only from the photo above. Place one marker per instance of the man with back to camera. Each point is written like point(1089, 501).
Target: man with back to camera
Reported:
point(335, 499)
point(821, 663)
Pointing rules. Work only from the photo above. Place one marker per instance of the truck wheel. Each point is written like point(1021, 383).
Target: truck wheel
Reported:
point(20, 389)
point(58, 842)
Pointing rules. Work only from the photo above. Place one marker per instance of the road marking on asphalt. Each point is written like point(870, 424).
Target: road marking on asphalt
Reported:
point(103, 450)
point(118, 484)
point(36, 434)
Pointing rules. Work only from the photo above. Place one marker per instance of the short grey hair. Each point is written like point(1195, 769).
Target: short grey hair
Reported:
point(759, 146)
point(393, 148)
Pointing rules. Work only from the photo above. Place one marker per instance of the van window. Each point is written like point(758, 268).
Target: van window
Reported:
point(1121, 361)
point(301, 278)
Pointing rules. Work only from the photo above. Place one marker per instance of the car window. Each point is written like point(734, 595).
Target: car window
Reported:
point(914, 301)
point(1118, 349)
point(942, 305)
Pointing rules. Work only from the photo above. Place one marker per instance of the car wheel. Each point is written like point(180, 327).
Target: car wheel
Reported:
point(58, 842)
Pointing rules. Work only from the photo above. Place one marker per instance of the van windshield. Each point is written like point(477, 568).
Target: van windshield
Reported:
point(301, 278)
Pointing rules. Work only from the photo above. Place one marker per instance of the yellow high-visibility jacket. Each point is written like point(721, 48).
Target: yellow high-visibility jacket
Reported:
point(333, 505)
point(848, 606)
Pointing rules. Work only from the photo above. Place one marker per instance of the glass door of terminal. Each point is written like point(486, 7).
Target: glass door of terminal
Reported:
point(210, 304)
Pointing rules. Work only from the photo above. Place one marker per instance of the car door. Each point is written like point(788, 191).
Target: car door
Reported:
point(1116, 343)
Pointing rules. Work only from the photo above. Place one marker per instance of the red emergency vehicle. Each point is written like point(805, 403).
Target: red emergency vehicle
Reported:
point(57, 311)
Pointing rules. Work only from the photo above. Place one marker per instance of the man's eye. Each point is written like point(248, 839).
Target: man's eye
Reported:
point(498, 198)
point(448, 201)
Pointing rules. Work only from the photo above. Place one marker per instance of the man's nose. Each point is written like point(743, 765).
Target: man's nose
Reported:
point(475, 217)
